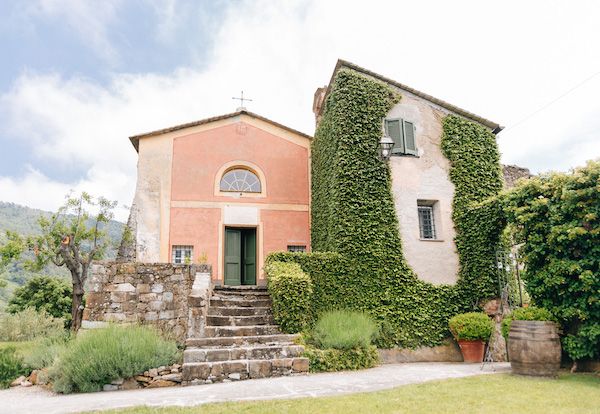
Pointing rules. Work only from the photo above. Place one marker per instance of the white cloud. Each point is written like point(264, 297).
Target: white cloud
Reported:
point(90, 19)
point(501, 61)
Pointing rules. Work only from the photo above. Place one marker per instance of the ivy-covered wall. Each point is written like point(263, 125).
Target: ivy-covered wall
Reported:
point(354, 218)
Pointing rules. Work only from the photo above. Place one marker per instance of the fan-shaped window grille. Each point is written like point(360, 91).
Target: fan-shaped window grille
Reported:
point(240, 180)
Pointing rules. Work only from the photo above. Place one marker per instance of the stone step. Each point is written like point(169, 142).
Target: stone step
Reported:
point(239, 302)
point(236, 296)
point(239, 320)
point(240, 289)
point(207, 372)
point(252, 330)
point(238, 311)
point(192, 355)
point(283, 339)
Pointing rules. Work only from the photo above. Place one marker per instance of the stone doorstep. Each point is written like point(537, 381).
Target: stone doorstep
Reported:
point(238, 311)
point(192, 355)
point(246, 303)
point(223, 370)
point(241, 290)
point(239, 320)
point(240, 340)
point(252, 330)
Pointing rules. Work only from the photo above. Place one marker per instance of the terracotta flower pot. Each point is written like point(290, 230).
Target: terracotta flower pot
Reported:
point(472, 351)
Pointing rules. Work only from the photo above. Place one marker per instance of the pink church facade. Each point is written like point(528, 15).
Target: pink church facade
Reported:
point(225, 191)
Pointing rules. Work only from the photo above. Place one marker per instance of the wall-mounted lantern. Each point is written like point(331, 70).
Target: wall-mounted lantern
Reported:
point(385, 147)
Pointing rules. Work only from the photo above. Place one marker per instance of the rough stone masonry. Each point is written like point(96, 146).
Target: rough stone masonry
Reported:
point(156, 294)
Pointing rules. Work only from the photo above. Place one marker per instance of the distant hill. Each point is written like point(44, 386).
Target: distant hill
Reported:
point(24, 220)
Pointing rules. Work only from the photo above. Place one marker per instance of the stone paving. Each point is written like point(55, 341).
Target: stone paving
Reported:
point(38, 400)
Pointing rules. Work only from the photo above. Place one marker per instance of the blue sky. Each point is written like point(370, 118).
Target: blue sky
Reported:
point(78, 77)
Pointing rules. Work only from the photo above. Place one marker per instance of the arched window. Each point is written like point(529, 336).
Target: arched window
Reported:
point(240, 180)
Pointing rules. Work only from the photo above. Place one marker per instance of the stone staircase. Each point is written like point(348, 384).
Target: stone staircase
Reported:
point(240, 341)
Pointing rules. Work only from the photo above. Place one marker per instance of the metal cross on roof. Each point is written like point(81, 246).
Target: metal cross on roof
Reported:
point(242, 99)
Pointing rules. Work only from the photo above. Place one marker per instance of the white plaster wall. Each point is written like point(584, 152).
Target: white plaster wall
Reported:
point(152, 199)
point(424, 178)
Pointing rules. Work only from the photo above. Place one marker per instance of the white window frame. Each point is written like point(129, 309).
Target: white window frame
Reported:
point(179, 254)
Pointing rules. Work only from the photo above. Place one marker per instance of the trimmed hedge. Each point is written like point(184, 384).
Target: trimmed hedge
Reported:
point(530, 313)
point(291, 295)
point(471, 326)
point(327, 360)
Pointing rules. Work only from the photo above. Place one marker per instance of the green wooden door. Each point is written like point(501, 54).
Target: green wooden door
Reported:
point(233, 257)
point(249, 263)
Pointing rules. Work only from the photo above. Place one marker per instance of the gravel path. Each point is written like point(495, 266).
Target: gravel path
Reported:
point(38, 400)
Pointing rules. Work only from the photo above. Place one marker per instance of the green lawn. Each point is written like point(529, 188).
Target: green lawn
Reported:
point(571, 393)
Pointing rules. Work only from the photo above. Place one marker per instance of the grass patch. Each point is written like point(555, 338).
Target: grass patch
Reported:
point(571, 393)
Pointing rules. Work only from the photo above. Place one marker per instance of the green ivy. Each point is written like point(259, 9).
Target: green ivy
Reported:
point(357, 261)
point(291, 292)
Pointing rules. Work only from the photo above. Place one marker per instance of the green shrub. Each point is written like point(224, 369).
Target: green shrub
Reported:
point(556, 217)
point(344, 329)
point(326, 360)
point(471, 326)
point(291, 295)
point(11, 366)
point(100, 356)
point(530, 313)
point(29, 324)
point(44, 293)
point(44, 351)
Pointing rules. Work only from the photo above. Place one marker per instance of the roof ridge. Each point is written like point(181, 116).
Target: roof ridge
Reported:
point(341, 63)
point(135, 138)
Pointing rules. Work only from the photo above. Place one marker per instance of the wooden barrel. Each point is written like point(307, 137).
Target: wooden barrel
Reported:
point(534, 348)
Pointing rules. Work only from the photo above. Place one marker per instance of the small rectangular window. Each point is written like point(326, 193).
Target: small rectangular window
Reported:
point(182, 254)
point(426, 223)
point(296, 248)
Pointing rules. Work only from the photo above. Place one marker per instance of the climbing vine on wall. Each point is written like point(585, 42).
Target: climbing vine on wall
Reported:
point(353, 216)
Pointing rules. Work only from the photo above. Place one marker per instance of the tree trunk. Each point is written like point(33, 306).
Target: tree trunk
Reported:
point(77, 307)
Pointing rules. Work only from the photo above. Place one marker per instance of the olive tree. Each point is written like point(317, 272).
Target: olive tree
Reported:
point(72, 237)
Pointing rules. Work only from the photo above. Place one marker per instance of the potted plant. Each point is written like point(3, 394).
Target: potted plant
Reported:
point(533, 341)
point(471, 330)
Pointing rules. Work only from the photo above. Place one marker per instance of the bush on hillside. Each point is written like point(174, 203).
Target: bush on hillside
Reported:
point(530, 313)
point(29, 324)
point(44, 293)
point(471, 326)
point(11, 366)
point(291, 295)
point(344, 329)
point(100, 356)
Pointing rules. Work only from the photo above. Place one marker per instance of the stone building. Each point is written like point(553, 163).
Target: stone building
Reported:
point(422, 189)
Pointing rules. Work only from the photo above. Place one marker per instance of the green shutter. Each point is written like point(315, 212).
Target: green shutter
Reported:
point(409, 138)
point(393, 128)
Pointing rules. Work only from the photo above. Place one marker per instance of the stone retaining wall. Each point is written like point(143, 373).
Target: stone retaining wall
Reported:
point(448, 352)
point(148, 293)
